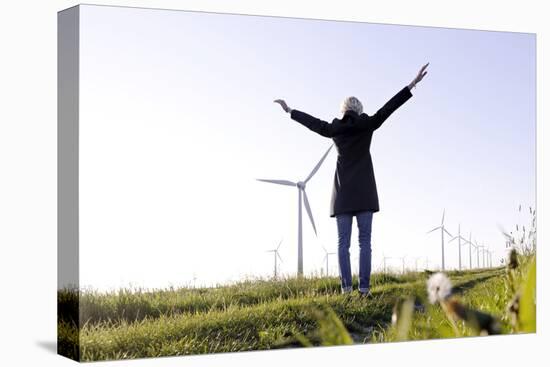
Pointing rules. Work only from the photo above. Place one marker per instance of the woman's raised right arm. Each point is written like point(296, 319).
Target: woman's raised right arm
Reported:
point(319, 126)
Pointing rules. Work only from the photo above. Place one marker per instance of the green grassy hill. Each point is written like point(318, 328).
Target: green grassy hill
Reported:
point(268, 314)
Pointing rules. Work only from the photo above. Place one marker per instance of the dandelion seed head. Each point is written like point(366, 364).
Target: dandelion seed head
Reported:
point(439, 287)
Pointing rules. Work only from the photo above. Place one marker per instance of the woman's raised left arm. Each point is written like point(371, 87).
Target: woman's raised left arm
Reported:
point(396, 101)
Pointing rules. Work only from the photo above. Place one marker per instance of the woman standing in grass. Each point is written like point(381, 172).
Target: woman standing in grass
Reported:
point(354, 192)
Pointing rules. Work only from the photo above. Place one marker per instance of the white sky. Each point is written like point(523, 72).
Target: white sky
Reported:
point(177, 121)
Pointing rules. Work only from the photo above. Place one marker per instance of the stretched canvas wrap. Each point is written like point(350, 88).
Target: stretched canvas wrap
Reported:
point(231, 183)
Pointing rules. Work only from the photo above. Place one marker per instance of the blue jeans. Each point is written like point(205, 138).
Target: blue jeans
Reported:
point(364, 224)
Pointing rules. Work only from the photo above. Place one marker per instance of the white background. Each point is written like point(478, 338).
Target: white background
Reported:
point(28, 181)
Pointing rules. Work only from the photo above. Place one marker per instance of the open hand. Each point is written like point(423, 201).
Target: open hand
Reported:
point(283, 104)
point(421, 74)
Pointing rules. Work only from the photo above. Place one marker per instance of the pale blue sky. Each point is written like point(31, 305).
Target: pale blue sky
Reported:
point(177, 121)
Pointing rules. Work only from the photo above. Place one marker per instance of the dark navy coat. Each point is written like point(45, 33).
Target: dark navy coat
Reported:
point(354, 186)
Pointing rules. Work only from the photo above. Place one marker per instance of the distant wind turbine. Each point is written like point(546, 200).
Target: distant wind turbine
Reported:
point(470, 248)
point(482, 248)
point(416, 263)
point(443, 231)
point(326, 258)
point(460, 244)
point(491, 259)
point(301, 186)
point(385, 258)
point(275, 257)
point(402, 264)
point(486, 257)
point(477, 247)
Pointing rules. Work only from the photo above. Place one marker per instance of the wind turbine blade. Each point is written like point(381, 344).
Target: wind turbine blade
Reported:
point(278, 182)
point(279, 244)
point(324, 249)
point(279, 256)
point(308, 209)
point(445, 229)
point(435, 229)
point(452, 239)
point(316, 168)
point(443, 217)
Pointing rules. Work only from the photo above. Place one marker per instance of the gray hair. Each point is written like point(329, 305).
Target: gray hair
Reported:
point(352, 103)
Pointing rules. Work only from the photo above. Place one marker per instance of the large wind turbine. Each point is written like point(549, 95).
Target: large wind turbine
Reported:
point(275, 256)
point(443, 231)
point(460, 244)
point(301, 186)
